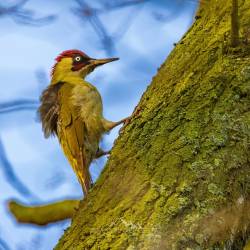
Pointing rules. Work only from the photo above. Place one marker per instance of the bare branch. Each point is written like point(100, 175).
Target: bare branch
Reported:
point(174, 13)
point(42, 79)
point(126, 24)
point(21, 15)
point(86, 12)
point(4, 245)
point(43, 214)
point(92, 15)
point(10, 175)
point(18, 105)
point(121, 4)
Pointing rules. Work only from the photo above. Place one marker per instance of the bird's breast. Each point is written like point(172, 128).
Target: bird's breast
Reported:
point(88, 102)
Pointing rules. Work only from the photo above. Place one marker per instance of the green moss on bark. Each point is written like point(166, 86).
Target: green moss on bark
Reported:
point(184, 160)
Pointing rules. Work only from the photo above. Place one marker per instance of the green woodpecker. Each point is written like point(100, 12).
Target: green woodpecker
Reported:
point(71, 108)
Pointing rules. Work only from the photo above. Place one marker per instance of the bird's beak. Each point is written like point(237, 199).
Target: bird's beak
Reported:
point(97, 62)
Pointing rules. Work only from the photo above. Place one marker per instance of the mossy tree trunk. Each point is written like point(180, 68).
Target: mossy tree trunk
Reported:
point(178, 176)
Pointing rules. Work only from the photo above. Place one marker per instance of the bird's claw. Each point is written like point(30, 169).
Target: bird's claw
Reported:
point(127, 120)
point(101, 153)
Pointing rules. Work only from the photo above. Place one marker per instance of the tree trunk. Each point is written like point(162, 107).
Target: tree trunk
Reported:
point(178, 176)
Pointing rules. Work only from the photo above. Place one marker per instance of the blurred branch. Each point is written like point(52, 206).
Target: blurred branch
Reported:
point(126, 23)
point(102, 33)
point(43, 214)
point(176, 10)
point(174, 13)
point(86, 12)
point(121, 4)
point(11, 176)
point(24, 16)
point(56, 180)
point(4, 245)
point(17, 105)
point(42, 79)
point(107, 6)
point(90, 14)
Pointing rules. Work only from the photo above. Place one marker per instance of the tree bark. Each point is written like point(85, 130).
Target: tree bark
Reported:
point(235, 24)
point(178, 176)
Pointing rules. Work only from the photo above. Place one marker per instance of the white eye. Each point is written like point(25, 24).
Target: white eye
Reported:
point(77, 58)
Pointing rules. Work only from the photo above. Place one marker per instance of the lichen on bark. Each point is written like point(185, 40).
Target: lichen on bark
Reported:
point(178, 176)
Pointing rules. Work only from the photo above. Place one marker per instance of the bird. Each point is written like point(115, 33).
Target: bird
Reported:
point(71, 109)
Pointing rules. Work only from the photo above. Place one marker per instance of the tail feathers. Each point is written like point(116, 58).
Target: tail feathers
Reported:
point(83, 174)
point(86, 181)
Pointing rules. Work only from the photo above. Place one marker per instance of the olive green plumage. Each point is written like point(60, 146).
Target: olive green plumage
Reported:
point(72, 109)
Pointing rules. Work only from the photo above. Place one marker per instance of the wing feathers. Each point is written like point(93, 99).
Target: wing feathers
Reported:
point(49, 109)
point(59, 116)
point(72, 132)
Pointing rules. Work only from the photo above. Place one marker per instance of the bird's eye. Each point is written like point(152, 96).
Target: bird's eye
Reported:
point(77, 58)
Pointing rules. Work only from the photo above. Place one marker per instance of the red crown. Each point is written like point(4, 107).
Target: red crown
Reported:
point(65, 54)
point(70, 53)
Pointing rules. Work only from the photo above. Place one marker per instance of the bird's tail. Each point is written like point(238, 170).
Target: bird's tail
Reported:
point(85, 181)
point(83, 174)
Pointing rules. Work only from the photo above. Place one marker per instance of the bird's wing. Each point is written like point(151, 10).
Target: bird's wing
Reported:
point(72, 134)
point(49, 109)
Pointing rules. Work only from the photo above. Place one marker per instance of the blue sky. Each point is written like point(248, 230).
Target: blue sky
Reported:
point(24, 50)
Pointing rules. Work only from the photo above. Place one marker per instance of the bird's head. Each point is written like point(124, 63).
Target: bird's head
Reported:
point(75, 63)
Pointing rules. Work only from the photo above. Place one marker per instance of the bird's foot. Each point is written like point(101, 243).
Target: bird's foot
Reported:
point(127, 120)
point(101, 153)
